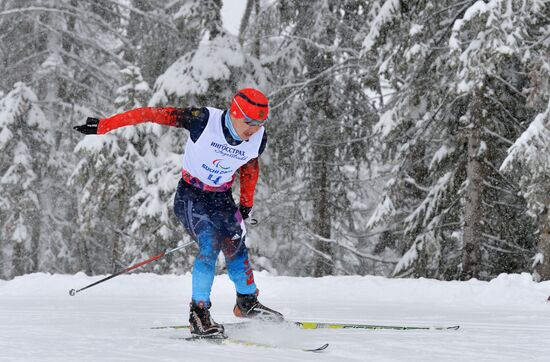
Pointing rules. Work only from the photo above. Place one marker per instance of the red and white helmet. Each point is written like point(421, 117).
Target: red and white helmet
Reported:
point(250, 104)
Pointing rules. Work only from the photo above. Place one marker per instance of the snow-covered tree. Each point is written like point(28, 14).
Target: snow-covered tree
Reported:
point(134, 91)
point(321, 114)
point(25, 145)
point(122, 213)
point(67, 52)
point(62, 47)
point(426, 97)
point(156, 41)
point(211, 69)
point(407, 45)
point(528, 161)
point(155, 169)
point(456, 72)
point(488, 46)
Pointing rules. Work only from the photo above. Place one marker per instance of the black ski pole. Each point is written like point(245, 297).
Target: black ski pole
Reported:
point(72, 292)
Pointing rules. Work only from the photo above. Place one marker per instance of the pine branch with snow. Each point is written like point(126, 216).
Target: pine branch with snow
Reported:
point(26, 142)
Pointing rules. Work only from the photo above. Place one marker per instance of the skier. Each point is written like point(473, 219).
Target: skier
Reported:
point(220, 143)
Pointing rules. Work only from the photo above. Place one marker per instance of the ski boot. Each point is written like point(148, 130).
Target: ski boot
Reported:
point(248, 307)
point(201, 323)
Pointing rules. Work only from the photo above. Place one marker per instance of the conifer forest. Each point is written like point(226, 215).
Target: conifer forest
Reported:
point(406, 138)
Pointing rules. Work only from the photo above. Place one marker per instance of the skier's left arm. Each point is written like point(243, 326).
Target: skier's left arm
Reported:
point(249, 174)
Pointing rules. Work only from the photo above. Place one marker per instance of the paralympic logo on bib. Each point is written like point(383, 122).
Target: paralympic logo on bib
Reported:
point(217, 164)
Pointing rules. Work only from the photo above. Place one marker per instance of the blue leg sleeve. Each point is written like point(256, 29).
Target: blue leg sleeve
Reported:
point(238, 266)
point(214, 221)
point(204, 267)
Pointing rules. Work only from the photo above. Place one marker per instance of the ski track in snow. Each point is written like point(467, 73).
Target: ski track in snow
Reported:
point(507, 319)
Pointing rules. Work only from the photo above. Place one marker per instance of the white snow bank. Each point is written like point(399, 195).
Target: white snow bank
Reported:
point(512, 289)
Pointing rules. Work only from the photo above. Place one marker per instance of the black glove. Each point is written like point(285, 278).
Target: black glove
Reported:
point(245, 211)
point(90, 127)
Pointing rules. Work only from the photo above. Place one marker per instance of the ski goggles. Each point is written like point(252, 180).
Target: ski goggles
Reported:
point(248, 120)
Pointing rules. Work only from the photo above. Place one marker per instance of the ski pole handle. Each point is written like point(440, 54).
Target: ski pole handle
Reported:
point(73, 292)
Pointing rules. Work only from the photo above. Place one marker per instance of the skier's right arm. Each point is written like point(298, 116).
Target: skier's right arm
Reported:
point(168, 116)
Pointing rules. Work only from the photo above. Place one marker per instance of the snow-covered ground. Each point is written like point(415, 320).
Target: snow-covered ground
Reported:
point(507, 319)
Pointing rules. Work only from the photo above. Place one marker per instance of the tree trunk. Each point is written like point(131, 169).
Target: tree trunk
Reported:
point(542, 269)
point(473, 213)
point(46, 184)
point(18, 260)
point(245, 22)
point(322, 215)
point(323, 155)
point(245, 19)
point(84, 256)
